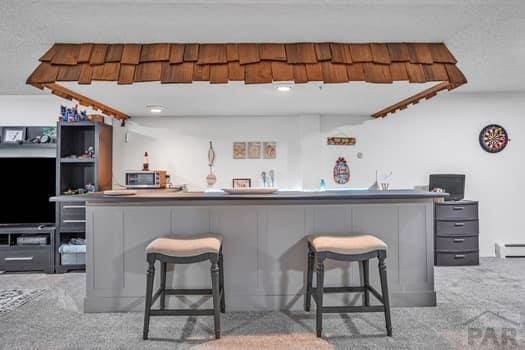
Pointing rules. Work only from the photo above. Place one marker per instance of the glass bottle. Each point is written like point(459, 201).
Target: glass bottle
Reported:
point(145, 163)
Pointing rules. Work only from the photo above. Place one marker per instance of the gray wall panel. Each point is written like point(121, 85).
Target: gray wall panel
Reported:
point(138, 234)
point(108, 258)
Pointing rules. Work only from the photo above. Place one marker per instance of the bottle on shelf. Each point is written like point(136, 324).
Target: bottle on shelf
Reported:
point(145, 164)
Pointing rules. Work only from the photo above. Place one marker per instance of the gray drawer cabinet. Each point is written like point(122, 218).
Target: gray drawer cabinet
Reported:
point(73, 217)
point(456, 233)
point(26, 259)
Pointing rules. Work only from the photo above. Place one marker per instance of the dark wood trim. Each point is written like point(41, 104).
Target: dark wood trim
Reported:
point(68, 94)
point(425, 94)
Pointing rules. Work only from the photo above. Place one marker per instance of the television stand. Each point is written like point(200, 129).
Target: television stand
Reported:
point(27, 247)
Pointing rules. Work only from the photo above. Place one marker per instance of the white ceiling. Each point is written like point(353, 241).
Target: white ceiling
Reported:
point(487, 37)
point(201, 98)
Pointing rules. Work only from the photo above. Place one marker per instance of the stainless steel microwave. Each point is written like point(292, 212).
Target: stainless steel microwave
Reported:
point(146, 179)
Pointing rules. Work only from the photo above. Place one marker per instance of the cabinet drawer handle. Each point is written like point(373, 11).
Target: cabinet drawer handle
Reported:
point(74, 207)
point(22, 258)
point(458, 208)
point(74, 221)
point(459, 256)
point(459, 224)
point(459, 240)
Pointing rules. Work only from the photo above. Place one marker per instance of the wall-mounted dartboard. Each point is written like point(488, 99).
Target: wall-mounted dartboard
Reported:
point(493, 138)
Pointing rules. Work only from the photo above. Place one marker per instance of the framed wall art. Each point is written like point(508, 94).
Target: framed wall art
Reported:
point(13, 135)
point(254, 150)
point(239, 150)
point(270, 150)
point(241, 183)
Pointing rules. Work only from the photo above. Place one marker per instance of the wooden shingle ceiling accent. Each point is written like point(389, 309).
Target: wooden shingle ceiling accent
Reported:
point(253, 63)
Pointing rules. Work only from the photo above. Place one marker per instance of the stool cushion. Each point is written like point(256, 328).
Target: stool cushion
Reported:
point(357, 244)
point(186, 245)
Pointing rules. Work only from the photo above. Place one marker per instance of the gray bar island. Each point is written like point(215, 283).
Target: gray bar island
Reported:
point(265, 250)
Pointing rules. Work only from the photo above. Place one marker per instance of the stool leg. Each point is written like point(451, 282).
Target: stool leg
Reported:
point(221, 283)
point(216, 301)
point(319, 291)
point(366, 282)
point(384, 291)
point(149, 294)
point(309, 278)
point(163, 267)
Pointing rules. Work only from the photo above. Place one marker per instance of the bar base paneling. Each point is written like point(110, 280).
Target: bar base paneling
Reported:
point(264, 250)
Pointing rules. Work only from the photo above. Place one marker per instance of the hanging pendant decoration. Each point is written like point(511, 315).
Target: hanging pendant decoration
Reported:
point(493, 138)
point(341, 171)
point(211, 179)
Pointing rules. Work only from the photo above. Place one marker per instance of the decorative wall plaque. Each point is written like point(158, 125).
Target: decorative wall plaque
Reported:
point(341, 171)
point(341, 141)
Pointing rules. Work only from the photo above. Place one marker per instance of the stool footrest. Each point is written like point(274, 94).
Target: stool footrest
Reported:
point(356, 289)
point(350, 309)
point(361, 289)
point(188, 291)
point(182, 312)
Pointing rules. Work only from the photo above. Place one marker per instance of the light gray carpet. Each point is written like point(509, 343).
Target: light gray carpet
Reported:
point(495, 291)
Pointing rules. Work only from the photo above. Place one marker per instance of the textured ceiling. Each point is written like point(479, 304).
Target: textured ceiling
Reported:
point(487, 37)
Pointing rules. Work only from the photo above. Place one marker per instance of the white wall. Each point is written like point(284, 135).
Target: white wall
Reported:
point(26, 110)
point(180, 145)
point(440, 135)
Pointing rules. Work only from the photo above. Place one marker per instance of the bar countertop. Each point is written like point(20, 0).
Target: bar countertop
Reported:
point(145, 196)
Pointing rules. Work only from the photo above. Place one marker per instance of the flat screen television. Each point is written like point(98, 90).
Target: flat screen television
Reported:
point(453, 184)
point(25, 187)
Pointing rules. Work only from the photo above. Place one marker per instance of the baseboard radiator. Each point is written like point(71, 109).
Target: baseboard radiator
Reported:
point(509, 250)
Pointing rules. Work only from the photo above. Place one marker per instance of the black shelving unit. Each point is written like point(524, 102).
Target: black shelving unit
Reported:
point(28, 246)
point(73, 139)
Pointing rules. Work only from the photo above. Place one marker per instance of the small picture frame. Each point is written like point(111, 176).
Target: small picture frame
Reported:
point(254, 150)
point(239, 150)
point(270, 150)
point(241, 183)
point(13, 135)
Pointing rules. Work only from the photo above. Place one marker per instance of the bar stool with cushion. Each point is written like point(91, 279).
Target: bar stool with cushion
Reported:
point(185, 249)
point(360, 248)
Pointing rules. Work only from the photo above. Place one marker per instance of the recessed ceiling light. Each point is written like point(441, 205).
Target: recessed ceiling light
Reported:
point(155, 109)
point(284, 88)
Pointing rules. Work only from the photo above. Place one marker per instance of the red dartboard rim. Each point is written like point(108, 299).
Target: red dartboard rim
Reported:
point(493, 138)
